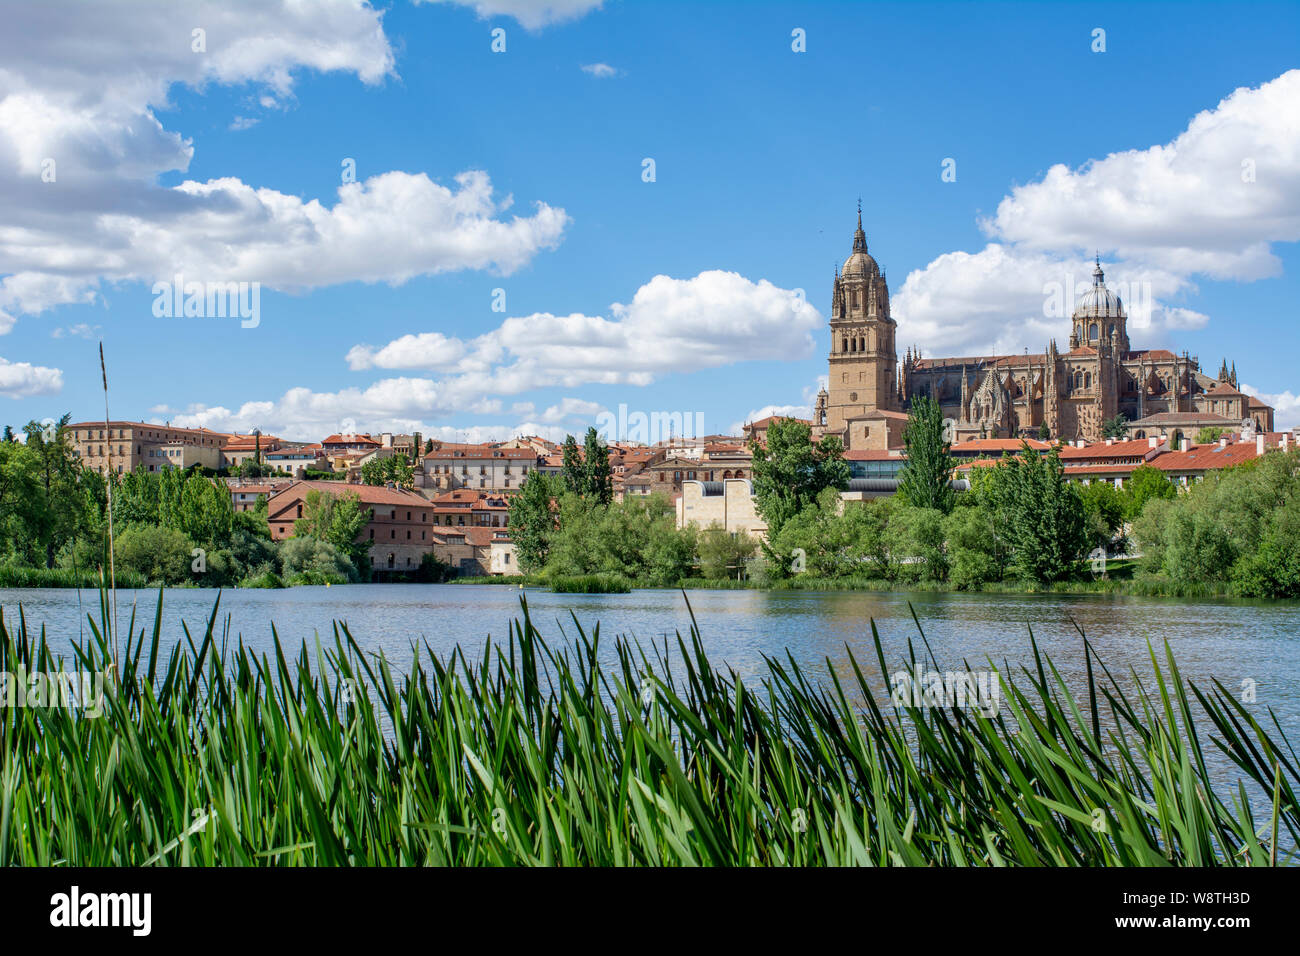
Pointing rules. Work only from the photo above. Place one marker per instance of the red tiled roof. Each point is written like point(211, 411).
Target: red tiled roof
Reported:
point(349, 440)
point(990, 445)
point(369, 494)
point(1207, 457)
point(1137, 448)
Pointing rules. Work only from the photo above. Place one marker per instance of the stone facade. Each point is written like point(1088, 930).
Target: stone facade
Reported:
point(1071, 392)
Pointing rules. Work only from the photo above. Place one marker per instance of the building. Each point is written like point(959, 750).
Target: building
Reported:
point(1068, 394)
point(117, 447)
point(480, 467)
point(244, 448)
point(729, 504)
point(399, 530)
point(469, 508)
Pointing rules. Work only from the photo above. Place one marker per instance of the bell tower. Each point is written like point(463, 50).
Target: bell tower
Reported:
point(863, 360)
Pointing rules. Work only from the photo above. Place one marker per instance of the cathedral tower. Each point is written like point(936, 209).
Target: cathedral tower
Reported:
point(863, 362)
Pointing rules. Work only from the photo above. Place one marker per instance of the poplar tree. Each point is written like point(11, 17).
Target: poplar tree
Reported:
point(924, 480)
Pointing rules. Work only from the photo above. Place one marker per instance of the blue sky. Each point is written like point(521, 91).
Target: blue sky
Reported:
point(376, 307)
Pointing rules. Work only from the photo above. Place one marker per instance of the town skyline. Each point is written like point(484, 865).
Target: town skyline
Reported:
point(471, 290)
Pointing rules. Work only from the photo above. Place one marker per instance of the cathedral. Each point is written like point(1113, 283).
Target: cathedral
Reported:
point(1063, 394)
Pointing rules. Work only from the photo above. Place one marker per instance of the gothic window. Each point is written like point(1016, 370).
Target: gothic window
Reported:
point(1087, 380)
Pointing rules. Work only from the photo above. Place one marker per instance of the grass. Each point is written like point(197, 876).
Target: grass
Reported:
point(19, 576)
point(536, 754)
point(591, 584)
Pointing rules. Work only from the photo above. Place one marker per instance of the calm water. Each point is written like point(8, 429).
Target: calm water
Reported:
point(1233, 641)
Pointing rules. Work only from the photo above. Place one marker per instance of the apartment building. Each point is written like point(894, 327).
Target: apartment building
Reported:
point(117, 447)
point(399, 530)
point(480, 467)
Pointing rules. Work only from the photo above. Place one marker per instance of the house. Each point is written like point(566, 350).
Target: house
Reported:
point(399, 530)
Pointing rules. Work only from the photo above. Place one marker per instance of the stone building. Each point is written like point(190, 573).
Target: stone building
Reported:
point(1067, 394)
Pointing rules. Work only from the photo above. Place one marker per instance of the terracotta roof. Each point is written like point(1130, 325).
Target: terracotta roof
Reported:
point(477, 452)
point(773, 418)
point(349, 440)
point(1184, 418)
point(482, 537)
point(369, 494)
point(1207, 457)
point(1137, 448)
point(1154, 355)
point(1225, 388)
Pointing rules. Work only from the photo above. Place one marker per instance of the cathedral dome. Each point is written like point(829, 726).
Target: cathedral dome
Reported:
point(859, 264)
point(1099, 301)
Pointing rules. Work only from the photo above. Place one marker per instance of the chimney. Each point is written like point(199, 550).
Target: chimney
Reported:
point(1285, 442)
point(1110, 441)
point(1223, 442)
point(1186, 445)
point(1259, 444)
point(1153, 441)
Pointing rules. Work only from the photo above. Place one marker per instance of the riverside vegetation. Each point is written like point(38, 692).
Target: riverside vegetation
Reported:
point(533, 753)
point(170, 527)
point(1021, 526)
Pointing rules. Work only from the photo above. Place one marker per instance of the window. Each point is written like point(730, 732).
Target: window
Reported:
point(392, 533)
point(408, 516)
point(299, 508)
point(408, 534)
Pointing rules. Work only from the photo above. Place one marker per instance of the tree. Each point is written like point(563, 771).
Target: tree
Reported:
point(1116, 427)
point(1103, 510)
point(722, 553)
point(338, 519)
point(1145, 483)
point(599, 481)
point(428, 447)
point(381, 471)
point(1041, 513)
point(924, 481)
point(1044, 433)
point(572, 470)
point(790, 470)
point(9, 434)
point(532, 519)
point(56, 513)
point(1208, 436)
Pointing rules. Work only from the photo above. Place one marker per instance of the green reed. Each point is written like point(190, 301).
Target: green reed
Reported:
point(535, 753)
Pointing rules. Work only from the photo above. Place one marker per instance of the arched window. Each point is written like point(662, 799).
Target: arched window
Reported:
point(846, 345)
point(1092, 331)
point(1087, 380)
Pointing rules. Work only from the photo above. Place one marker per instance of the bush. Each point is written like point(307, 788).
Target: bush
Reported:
point(300, 555)
point(159, 554)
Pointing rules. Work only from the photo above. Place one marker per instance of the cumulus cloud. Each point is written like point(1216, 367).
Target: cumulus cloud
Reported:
point(1286, 406)
point(1210, 203)
point(82, 150)
point(23, 380)
point(671, 325)
point(600, 70)
point(531, 14)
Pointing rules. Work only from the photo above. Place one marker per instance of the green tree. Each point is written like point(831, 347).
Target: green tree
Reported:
point(1145, 483)
point(1103, 510)
point(1041, 513)
point(339, 520)
point(1116, 427)
point(394, 469)
point(572, 470)
point(723, 553)
point(925, 479)
point(532, 519)
point(598, 477)
point(1208, 436)
point(790, 470)
point(1044, 433)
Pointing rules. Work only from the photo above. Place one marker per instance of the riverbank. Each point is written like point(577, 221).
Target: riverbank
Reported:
point(212, 756)
point(1122, 577)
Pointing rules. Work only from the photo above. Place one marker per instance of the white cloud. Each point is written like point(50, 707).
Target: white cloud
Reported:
point(79, 89)
point(1286, 406)
point(671, 325)
point(243, 122)
point(82, 330)
point(23, 380)
point(531, 14)
point(1160, 217)
point(600, 70)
